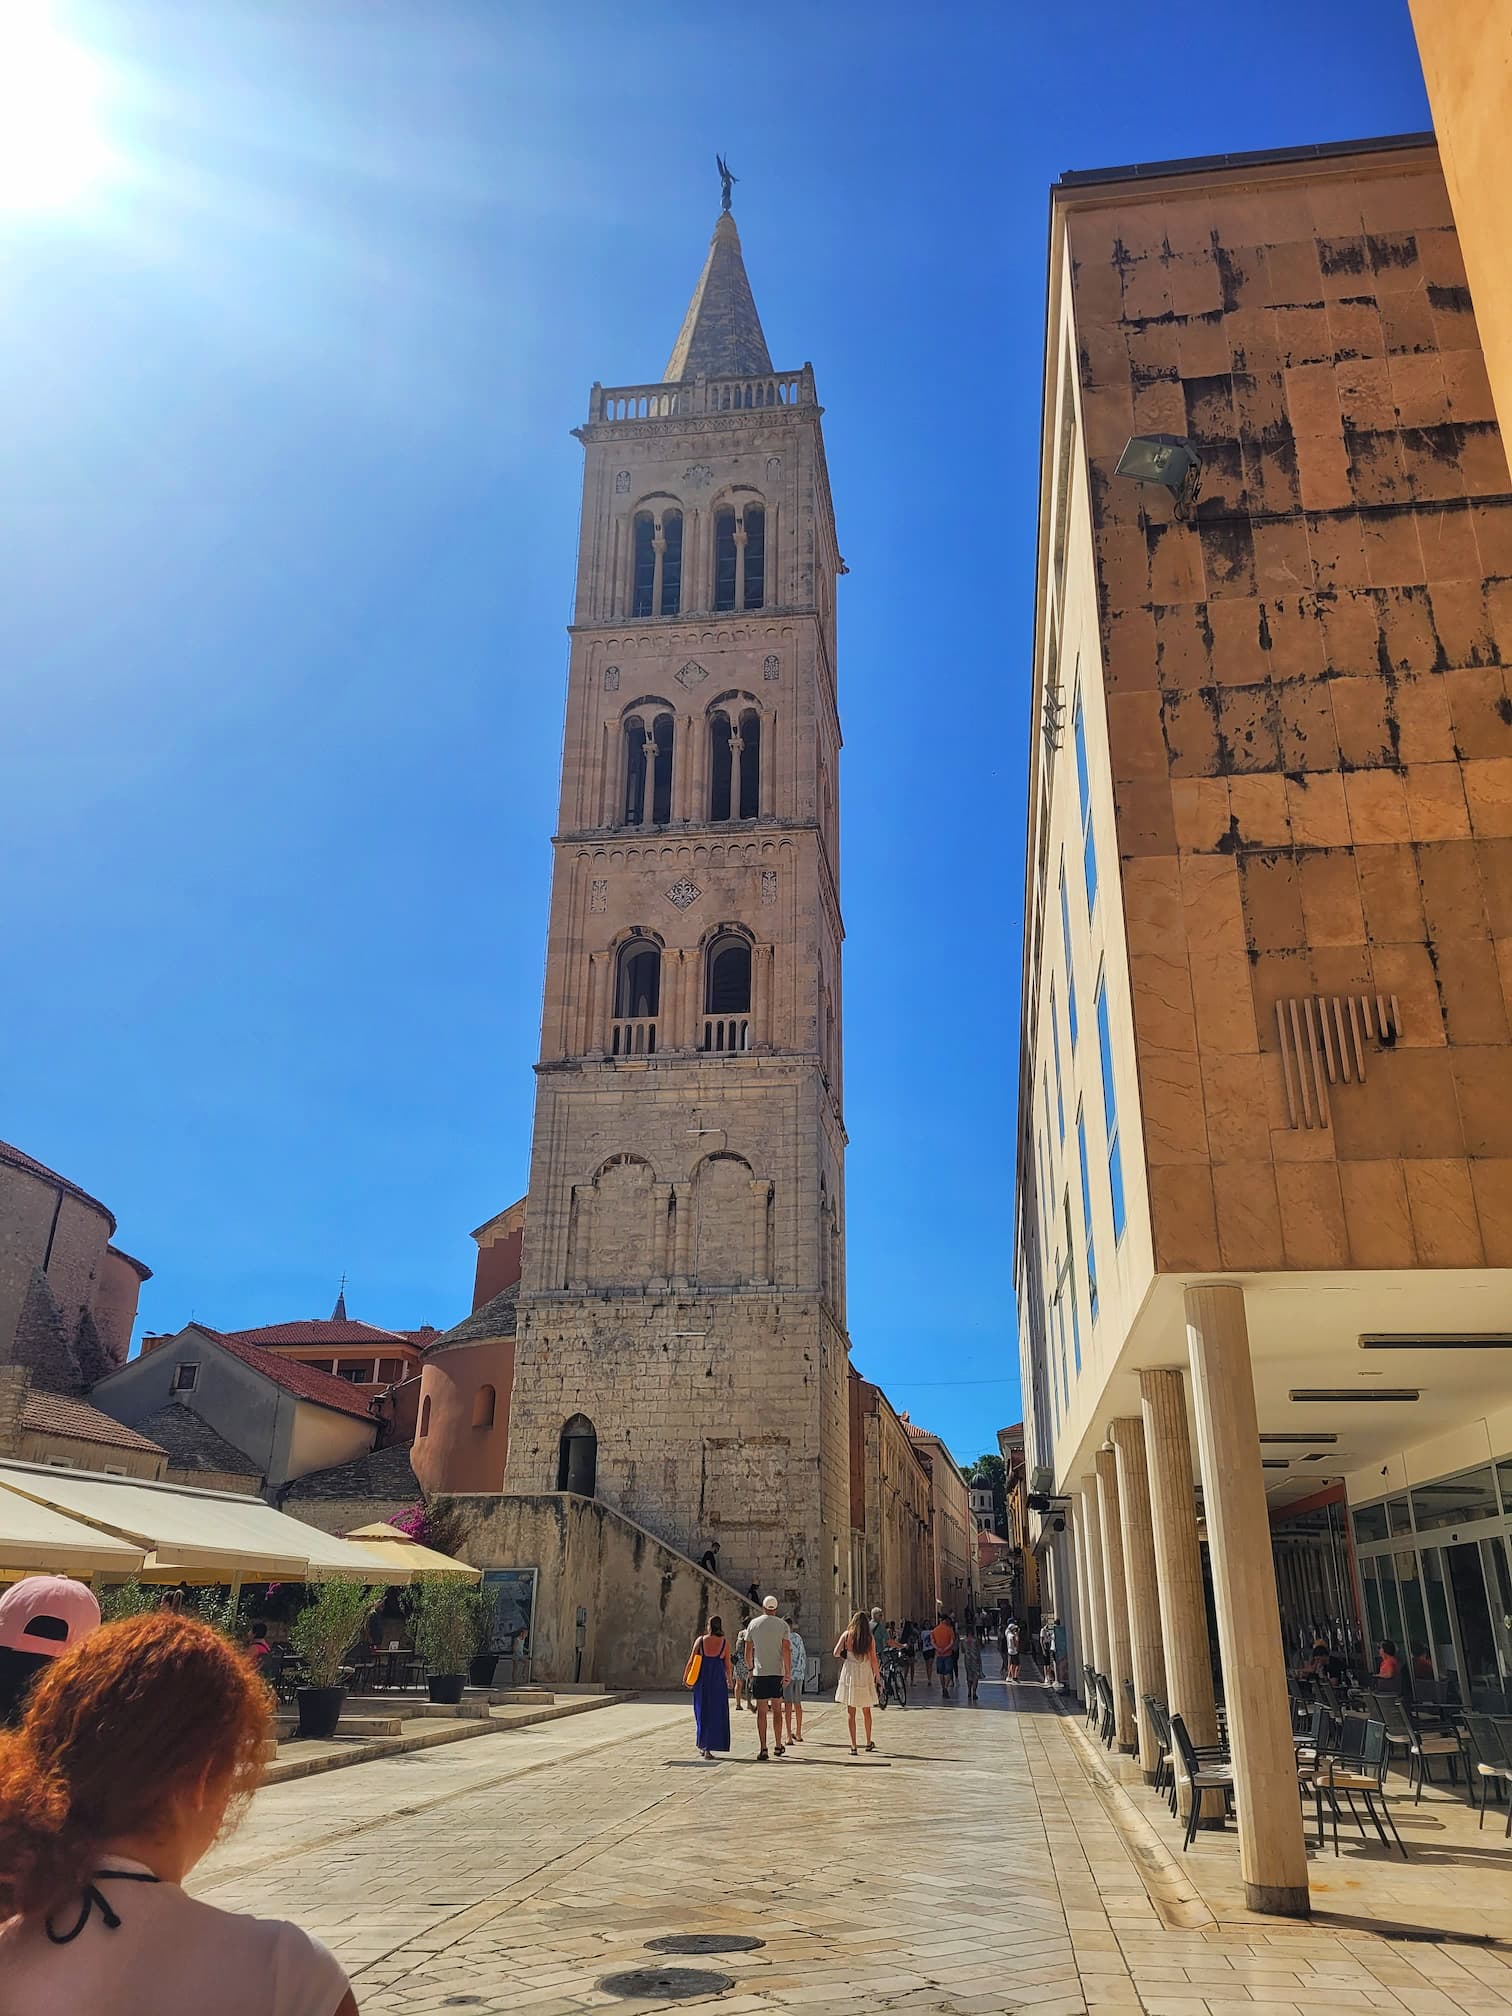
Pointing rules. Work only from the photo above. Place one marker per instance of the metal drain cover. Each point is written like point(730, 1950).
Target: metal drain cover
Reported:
point(666, 1984)
point(704, 1942)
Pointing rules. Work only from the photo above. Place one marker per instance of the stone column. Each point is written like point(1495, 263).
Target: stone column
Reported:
point(1083, 1654)
point(1272, 1852)
point(1178, 1565)
point(1145, 1654)
point(1120, 1667)
point(1097, 1597)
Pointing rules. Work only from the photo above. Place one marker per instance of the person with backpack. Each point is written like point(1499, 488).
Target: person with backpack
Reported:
point(1014, 1636)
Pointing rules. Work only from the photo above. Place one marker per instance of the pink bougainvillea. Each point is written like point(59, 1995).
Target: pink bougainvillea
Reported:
point(411, 1520)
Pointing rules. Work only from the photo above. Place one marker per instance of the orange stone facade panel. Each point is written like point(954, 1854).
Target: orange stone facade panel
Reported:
point(1308, 693)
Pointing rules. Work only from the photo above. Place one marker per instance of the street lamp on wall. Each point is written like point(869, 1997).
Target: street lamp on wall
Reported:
point(1167, 461)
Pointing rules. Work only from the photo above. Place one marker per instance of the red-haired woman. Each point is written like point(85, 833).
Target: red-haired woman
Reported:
point(133, 1750)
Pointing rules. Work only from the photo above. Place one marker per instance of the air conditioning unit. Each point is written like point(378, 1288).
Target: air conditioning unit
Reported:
point(1042, 1479)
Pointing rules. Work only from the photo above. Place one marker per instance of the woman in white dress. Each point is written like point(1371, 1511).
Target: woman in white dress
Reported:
point(859, 1674)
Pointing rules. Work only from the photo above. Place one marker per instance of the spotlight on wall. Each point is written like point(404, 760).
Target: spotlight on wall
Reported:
point(1167, 460)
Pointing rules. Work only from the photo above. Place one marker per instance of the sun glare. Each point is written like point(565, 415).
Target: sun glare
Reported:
point(50, 145)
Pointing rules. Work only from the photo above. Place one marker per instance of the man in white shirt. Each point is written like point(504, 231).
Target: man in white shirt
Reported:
point(771, 1656)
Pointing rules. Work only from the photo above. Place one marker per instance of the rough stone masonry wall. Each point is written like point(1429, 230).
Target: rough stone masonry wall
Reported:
point(714, 1436)
point(645, 1604)
point(1308, 710)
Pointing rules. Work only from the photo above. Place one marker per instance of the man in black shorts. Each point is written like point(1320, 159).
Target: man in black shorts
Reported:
point(770, 1651)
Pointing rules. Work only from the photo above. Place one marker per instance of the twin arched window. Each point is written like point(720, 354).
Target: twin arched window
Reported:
point(657, 560)
point(657, 585)
point(735, 766)
point(740, 557)
point(726, 996)
point(648, 770)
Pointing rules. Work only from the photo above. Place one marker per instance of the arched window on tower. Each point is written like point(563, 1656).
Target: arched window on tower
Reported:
point(740, 557)
point(637, 999)
point(663, 728)
point(671, 584)
point(643, 587)
point(750, 765)
point(724, 559)
point(721, 767)
point(727, 995)
point(483, 1408)
point(577, 1457)
point(755, 557)
point(635, 770)
point(424, 1428)
point(648, 770)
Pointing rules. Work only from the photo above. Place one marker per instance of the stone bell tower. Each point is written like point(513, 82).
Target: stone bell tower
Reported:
point(682, 1350)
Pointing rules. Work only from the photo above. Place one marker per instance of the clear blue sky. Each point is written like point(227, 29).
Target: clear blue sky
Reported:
point(287, 515)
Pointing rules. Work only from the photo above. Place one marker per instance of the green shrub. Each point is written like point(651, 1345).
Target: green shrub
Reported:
point(323, 1631)
point(128, 1599)
point(451, 1619)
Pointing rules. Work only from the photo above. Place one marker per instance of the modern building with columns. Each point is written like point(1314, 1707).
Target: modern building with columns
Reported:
point(1264, 1234)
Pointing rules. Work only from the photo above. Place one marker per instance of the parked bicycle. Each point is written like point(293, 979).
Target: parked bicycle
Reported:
point(894, 1686)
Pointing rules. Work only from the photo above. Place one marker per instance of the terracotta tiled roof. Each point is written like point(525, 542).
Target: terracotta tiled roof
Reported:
point(303, 1381)
point(31, 1167)
point(319, 1331)
point(56, 1414)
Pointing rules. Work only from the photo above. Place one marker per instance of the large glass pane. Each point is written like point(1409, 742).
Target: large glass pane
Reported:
point(1391, 1608)
point(1369, 1524)
point(1400, 1514)
point(1504, 1472)
point(1375, 1623)
point(1472, 1613)
point(1079, 727)
point(1414, 1614)
point(1455, 1501)
point(1499, 1583)
point(1445, 1657)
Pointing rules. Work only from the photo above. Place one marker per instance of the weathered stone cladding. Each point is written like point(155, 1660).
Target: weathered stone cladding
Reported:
point(1308, 712)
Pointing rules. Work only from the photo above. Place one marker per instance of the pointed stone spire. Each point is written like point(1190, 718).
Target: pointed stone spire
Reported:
point(721, 332)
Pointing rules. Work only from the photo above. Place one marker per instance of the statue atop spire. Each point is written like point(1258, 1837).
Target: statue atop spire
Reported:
point(727, 181)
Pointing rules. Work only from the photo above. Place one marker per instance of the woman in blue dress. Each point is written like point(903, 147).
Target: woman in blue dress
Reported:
point(711, 1691)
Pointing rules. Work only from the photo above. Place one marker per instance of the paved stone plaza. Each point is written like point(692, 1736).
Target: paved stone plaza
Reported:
point(980, 1861)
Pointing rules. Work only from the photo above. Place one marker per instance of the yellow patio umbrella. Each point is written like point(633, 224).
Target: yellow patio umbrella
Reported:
point(401, 1550)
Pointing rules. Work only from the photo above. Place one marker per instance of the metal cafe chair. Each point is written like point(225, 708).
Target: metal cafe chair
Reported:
point(1403, 1731)
point(1488, 1758)
point(1131, 1701)
point(1358, 1769)
point(1089, 1693)
point(1108, 1726)
point(1164, 1782)
point(1205, 1774)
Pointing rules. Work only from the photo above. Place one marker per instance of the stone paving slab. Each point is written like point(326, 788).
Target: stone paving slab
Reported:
point(301, 1757)
point(971, 1865)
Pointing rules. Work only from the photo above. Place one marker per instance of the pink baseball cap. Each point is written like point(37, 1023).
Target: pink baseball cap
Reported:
point(46, 1614)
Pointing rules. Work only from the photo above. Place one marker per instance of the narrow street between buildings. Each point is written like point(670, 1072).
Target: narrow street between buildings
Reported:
point(972, 1864)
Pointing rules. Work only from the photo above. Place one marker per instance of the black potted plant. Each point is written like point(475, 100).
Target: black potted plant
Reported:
point(450, 1618)
point(322, 1634)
